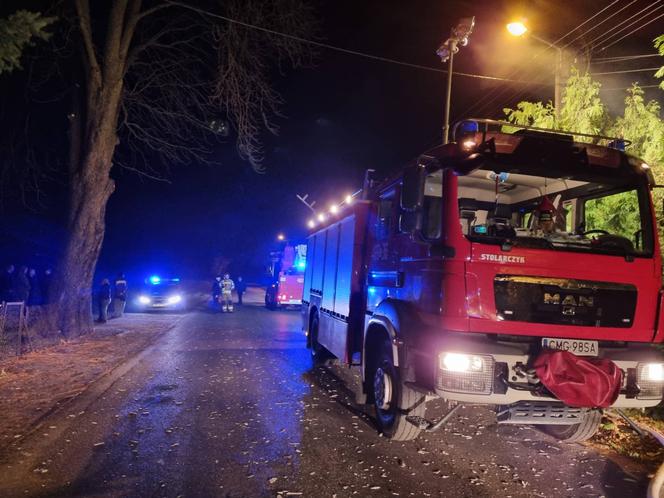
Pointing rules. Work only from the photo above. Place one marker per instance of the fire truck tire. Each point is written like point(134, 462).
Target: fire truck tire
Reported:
point(319, 354)
point(270, 302)
point(393, 400)
point(576, 433)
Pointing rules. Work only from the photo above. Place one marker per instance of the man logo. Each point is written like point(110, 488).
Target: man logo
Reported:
point(551, 298)
point(569, 300)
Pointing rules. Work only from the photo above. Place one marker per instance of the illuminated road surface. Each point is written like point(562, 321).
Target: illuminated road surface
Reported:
point(227, 405)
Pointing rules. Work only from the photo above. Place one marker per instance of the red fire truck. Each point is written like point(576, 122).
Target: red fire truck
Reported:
point(519, 270)
point(287, 270)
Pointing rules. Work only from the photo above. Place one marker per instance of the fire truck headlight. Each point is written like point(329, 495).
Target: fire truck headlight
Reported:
point(175, 299)
point(456, 362)
point(465, 373)
point(144, 300)
point(650, 380)
point(651, 372)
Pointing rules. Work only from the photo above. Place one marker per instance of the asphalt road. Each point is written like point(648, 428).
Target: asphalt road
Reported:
point(228, 405)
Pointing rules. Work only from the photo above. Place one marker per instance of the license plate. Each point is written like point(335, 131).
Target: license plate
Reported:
point(574, 346)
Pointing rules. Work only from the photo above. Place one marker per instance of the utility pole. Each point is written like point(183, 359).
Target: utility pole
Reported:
point(557, 100)
point(448, 92)
point(458, 38)
point(518, 28)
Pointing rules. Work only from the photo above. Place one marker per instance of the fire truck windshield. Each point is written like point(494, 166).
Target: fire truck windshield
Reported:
point(560, 213)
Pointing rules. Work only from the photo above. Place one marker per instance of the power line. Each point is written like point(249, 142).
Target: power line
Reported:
point(491, 96)
point(626, 71)
point(388, 60)
point(628, 87)
point(630, 33)
point(621, 58)
point(588, 20)
point(600, 23)
point(352, 52)
point(604, 37)
point(520, 92)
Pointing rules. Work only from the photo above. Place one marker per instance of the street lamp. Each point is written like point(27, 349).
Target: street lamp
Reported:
point(458, 37)
point(518, 28)
point(281, 237)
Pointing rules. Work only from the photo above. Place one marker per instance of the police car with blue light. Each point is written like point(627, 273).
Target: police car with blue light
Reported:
point(161, 294)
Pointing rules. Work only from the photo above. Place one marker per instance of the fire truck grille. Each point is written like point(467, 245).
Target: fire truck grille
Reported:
point(562, 301)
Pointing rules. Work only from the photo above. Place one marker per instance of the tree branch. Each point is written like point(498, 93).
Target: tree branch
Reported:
point(113, 36)
point(130, 28)
point(83, 11)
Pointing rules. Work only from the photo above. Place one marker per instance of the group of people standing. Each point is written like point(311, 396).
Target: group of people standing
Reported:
point(222, 292)
point(26, 285)
point(117, 294)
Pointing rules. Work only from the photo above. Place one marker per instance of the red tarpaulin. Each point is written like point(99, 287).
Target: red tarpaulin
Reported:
point(579, 381)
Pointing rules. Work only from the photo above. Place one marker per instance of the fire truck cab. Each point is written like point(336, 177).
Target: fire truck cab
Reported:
point(453, 279)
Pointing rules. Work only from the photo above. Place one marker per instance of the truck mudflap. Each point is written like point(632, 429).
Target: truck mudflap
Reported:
point(474, 368)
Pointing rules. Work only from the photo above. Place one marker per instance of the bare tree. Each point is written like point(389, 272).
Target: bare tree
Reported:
point(159, 76)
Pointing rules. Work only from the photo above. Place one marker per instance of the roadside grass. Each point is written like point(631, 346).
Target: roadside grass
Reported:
point(35, 383)
point(617, 435)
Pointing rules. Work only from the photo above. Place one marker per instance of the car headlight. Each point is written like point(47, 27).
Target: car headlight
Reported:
point(144, 300)
point(457, 362)
point(174, 299)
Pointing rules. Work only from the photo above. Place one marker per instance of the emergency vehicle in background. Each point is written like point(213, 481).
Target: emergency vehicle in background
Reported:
point(287, 269)
point(161, 293)
point(443, 282)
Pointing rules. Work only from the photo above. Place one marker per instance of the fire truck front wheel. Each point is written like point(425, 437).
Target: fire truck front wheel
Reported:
point(393, 400)
point(576, 433)
point(270, 300)
point(319, 354)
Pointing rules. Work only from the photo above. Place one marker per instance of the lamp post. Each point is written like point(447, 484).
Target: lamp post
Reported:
point(458, 38)
point(518, 28)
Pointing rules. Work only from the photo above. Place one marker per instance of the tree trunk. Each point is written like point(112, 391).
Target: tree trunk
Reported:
point(78, 263)
point(93, 138)
point(90, 189)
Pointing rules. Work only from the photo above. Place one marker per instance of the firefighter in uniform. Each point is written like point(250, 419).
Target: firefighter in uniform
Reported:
point(227, 286)
point(546, 223)
point(119, 295)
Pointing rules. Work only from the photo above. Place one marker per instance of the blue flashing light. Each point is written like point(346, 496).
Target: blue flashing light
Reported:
point(480, 229)
point(155, 280)
point(469, 127)
point(371, 289)
point(464, 129)
point(617, 144)
point(175, 280)
point(301, 265)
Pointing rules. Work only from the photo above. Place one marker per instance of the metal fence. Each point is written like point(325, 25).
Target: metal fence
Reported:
point(15, 336)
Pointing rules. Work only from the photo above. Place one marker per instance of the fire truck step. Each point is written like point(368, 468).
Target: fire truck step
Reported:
point(539, 413)
point(428, 425)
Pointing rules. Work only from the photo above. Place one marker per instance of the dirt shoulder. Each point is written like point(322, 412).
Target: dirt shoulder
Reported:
point(616, 436)
point(39, 382)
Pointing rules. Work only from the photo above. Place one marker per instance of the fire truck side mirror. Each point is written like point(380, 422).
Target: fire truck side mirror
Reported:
point(412, 189)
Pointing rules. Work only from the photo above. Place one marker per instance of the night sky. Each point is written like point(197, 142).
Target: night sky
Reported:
point(344, 114)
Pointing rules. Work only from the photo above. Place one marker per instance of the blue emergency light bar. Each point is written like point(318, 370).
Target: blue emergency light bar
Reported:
point(156, 280)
